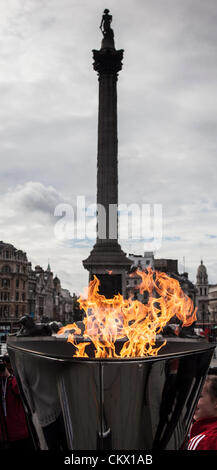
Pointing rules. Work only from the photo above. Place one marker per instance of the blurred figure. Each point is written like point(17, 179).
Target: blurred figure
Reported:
point(7, 361)
point(203, 434)
point(14, 432)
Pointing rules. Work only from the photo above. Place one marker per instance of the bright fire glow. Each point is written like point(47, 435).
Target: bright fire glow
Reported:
point(135, 323)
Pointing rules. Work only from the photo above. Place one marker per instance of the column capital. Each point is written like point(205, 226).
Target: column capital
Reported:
point(108, 61)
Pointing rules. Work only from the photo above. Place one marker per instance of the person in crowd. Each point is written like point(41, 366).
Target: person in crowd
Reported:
point(14, 433)
point(203, 433)
point(7, 361)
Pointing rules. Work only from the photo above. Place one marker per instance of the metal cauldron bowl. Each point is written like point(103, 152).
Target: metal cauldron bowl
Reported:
point(125, 404)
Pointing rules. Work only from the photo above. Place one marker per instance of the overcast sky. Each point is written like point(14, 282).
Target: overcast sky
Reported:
point(167, 105)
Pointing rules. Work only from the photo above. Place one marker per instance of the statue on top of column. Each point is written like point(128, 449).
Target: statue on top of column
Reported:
point(105, 25)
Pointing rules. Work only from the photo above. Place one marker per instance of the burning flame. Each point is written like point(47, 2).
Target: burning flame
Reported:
point(136, 324)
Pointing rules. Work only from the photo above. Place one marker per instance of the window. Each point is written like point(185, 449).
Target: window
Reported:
point(17, 283)
point(4, 296)
point(6, 269)
point(17, 296)
point(6, 283)
point(5, 311)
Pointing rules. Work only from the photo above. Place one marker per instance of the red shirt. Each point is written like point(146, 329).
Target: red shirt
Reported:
point(12, 412)
point(203, 435)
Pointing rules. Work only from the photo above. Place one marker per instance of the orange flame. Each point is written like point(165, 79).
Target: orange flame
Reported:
point(135, 323)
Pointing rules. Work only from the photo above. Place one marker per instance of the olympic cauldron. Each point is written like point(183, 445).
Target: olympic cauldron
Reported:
point(98, 403)
point(113, 382)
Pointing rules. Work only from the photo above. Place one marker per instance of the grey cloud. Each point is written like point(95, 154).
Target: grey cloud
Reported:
point(33, 197)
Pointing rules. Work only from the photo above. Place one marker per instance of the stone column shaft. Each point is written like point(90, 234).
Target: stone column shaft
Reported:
point(107, 162)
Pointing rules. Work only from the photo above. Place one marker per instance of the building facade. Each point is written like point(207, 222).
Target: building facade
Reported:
point(28, 291)
point(202, 295)
point(133, 279)
point(46, 298)
point(213, 304)
point(13, 286)
point(169, 266)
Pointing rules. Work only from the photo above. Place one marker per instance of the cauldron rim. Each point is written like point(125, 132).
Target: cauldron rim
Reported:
point(30, 345)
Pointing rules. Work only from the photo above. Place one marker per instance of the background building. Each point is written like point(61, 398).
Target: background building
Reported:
point(202, 296)
point(169, 266)
point(213, 304)
point(13, 286)
point(142, 262)
point(46, 298)
point(28, 291)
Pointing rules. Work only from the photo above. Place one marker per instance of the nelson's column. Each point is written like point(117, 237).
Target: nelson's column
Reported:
point(107, 260)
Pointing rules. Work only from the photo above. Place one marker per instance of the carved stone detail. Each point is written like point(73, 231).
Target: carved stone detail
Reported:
point(108, 61)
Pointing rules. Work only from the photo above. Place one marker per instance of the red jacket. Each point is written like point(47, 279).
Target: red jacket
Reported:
point(13, 425)
point(203, 435)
